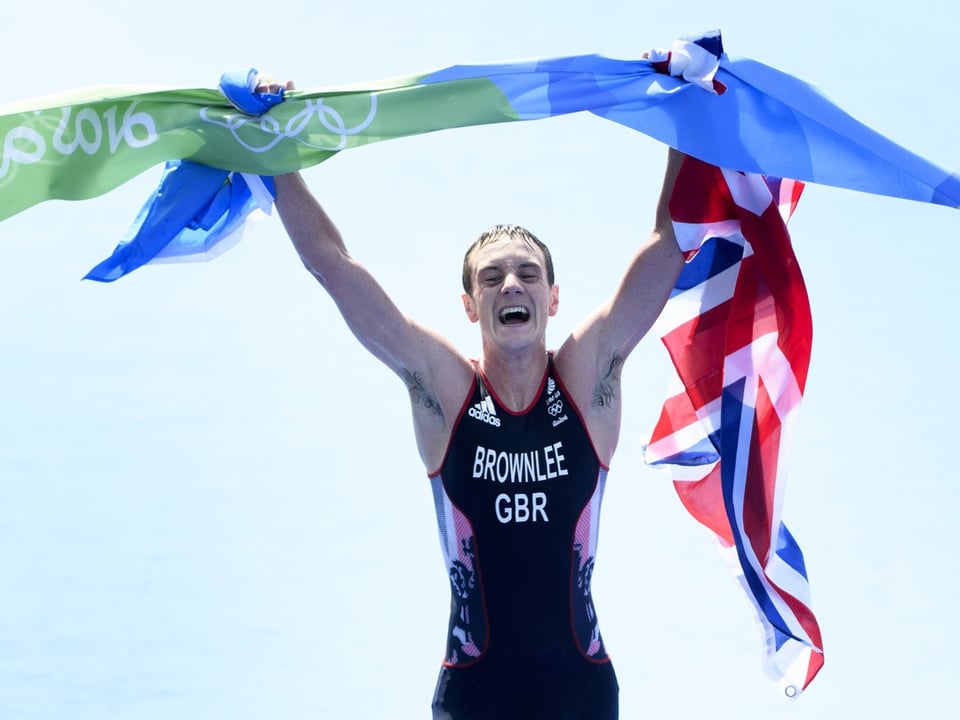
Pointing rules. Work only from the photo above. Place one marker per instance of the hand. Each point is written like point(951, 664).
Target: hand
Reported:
point(251, 92)
point(267, 84)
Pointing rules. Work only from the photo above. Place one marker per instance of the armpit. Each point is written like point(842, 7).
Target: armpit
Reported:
point(605, 393)
point(420, 394)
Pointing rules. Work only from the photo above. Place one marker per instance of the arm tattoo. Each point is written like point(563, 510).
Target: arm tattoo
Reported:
point(605, 393)
point(420, 394)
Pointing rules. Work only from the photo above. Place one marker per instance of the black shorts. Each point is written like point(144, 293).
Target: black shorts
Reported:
point(576, 691)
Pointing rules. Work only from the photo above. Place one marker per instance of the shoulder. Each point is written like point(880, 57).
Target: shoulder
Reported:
point(591, 378)
point(438, 390)
point(590, 375)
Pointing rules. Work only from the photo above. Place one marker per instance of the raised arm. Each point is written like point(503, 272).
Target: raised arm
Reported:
point(591, 359)
point(368, 310)
point(435, 374)
point(638, 301)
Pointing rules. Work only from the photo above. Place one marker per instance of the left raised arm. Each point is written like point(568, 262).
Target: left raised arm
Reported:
point(590, 360)
point(639, 299)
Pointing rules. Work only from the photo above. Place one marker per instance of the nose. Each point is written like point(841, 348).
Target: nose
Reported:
point(511, 284)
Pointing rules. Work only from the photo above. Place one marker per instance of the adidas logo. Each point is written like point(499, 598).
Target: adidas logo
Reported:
point(485, 411)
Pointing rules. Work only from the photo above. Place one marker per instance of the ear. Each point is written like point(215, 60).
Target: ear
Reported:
point(554, 300)
point(470, 307)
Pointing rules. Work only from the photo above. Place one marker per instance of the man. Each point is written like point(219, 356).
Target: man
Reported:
point(516, 444)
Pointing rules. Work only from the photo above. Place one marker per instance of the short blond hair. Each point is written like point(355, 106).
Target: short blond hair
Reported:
point(501, 232)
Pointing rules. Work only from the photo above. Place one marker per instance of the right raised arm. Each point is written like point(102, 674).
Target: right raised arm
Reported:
point(367, 309)
point(436, 375)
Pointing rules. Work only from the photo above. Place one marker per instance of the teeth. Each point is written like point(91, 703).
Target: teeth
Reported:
point(516, 312)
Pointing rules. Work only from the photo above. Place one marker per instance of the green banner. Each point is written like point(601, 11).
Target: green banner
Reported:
point(86, 143)
point(83, 144)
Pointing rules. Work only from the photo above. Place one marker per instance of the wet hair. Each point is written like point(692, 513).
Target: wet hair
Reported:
point(502, 232)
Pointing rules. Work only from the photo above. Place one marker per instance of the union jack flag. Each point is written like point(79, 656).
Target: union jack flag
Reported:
point(738, 330)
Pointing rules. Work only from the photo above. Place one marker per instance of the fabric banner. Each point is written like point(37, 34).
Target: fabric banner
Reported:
point(84, 143)
point(739, 332)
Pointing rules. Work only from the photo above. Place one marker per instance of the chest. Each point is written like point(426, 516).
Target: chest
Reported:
point(521, 472)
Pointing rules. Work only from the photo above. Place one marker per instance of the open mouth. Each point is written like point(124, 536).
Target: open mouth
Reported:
point(514, 315)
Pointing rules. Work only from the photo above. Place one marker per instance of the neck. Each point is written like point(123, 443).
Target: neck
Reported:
point(515, 377)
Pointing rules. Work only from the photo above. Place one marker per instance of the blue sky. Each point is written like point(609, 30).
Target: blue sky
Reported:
point(213, 506)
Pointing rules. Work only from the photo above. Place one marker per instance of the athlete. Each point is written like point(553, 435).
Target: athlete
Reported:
point(516, 444)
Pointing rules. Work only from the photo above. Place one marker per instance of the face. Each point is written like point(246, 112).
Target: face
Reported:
point(511, 298)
